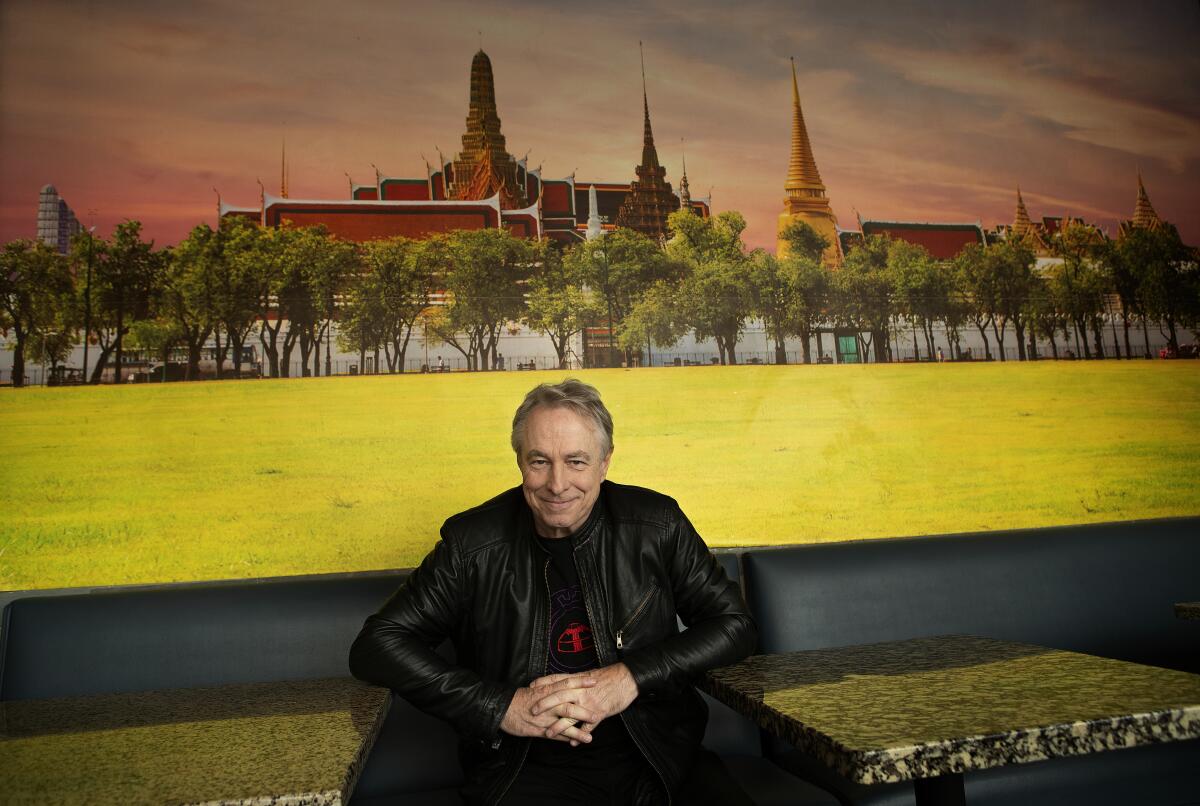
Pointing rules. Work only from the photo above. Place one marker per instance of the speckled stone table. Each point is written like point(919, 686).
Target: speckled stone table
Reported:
point(1188, 610)
point(301, 742)
point(928, 709)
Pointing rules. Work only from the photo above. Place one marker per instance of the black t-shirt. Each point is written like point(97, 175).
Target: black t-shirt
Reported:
point(572, 650)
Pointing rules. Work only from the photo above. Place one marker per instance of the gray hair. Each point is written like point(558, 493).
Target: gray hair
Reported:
point(579, 397)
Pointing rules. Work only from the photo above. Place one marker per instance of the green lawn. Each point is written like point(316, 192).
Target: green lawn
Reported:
point(157, 483)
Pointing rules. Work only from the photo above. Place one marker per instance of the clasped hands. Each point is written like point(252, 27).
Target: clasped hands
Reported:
point(566, 707)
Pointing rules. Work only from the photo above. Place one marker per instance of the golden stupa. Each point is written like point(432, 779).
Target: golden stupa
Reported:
point(806, 200)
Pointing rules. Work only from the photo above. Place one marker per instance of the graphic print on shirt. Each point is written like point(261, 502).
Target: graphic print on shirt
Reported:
point(571, 645)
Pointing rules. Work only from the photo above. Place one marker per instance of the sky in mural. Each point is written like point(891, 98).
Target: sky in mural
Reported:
point(933, 111)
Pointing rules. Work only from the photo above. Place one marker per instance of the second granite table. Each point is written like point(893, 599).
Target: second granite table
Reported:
point(928, 709)
point(301, 742)
point(1188, 610)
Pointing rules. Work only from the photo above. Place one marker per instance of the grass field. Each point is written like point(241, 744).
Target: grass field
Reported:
point(108, 485)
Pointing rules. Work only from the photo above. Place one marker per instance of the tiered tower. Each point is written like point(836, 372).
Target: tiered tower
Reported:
point(1143, 212)
point(685, 193)
point(650, 198)
point(484, 167)
point(1023, 229)
point(806, 200)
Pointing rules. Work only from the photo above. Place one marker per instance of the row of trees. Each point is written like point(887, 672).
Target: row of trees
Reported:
point(711, 284)
point(227, 286)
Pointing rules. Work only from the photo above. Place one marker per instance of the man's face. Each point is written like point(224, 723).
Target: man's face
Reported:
point(561, 469)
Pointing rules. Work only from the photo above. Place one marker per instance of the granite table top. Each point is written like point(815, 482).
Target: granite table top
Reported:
point(1188, 610)
point(938, 706)
point(297, 742)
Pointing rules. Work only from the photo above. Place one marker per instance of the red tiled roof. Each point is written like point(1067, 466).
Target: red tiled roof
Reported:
point(944, 241)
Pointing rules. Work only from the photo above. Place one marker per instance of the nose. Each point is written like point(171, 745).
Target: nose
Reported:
point(558, 479)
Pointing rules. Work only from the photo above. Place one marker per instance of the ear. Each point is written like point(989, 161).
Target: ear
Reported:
point(604, 466)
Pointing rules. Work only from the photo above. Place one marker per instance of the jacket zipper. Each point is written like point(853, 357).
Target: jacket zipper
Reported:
point(591, 619)
point(636, 614)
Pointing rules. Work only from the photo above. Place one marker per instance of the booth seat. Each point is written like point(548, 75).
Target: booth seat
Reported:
point(209, 634)
point(1102, 589)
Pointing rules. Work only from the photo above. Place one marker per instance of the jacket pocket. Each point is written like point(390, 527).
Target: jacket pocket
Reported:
point(640, 610)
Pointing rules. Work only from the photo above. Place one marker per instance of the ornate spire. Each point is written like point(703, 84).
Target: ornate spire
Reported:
point(685, 193)
point(650, 199)
point(802, 168)
point(594, 227)
point(1021, 223)
point(649, 153)
point(805, 198)
point(1143, 212)
point(1023, 229)
point(483, 146)
point(283, 170)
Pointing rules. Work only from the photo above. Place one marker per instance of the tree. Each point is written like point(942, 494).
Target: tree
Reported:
point(792, 299)
point(1044, 309)
point(973, 277)
point(235, 288)
point(862, 292)
point(35, 297)
point(656, 318)
point(364, 318)
point(921, 288)
point(485, 279)
point(558, 303)
point(1167, 286)
point(716, 292)
point(1012, 267)
point(402, 274)
point(1082, 286)
point(321, 263)
point(272, 260)
point(621, 266)
point(157, 335)
point(126, 277)
point(189, 294)
point(810, 286)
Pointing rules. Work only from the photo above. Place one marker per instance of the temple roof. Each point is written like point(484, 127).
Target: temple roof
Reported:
point(1023, 229)
point(942, 240)
point(1143, 212)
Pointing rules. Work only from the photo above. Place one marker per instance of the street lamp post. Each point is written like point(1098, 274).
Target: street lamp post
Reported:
point(87, 303)
point(608, 298)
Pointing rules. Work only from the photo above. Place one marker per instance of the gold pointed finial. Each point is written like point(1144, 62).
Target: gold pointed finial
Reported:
point(802, 167)
point(642, 57)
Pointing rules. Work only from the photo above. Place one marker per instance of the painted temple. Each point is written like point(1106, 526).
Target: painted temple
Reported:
point(484, 186)
point(805, 198)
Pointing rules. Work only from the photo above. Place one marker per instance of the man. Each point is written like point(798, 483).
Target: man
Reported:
point(572, 682)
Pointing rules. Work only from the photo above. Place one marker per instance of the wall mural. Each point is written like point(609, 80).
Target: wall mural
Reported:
point(980, 189)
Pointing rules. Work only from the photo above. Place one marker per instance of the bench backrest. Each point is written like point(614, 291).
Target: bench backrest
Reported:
point(185, 636)
point(1104, 589)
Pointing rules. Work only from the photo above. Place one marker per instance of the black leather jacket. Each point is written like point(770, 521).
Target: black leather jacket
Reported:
point(483, 586)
